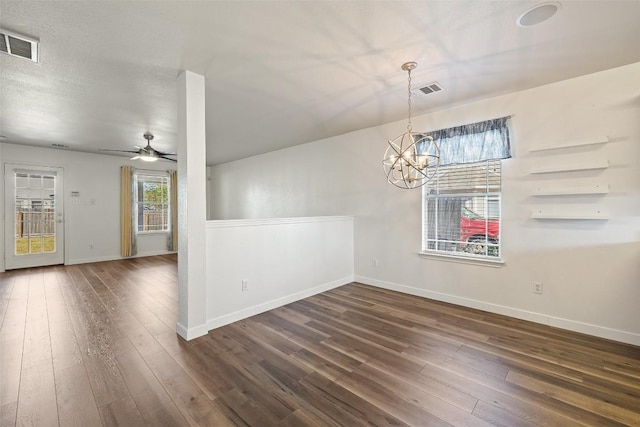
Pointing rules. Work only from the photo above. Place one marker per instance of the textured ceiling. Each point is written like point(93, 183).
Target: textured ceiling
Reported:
point(281, 73)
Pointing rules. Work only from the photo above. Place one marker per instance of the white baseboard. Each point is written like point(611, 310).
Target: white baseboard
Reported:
point(189, 334)
point(154, 253)
point(568, 324)
point(115, 257)
point(219, 321)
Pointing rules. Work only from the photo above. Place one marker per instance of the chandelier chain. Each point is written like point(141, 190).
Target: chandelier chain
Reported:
point(409, 99)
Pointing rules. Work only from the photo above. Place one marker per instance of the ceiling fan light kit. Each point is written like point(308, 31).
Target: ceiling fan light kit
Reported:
point(149, 154)
point(145, 158)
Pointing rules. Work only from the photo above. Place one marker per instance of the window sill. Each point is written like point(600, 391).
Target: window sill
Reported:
point(150, 233)
point(462, 259)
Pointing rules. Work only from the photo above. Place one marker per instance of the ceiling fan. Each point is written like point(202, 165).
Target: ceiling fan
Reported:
point(148, 153)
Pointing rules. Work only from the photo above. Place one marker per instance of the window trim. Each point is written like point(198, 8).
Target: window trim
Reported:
point(470, 144)
point(461, 257)
point(150, 173)
point(466, 259)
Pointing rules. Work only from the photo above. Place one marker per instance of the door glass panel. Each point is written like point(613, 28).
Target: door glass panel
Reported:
point(35, 181)
point(35, 213)
point(35, 244)
point(48, 182)
point(22, 180)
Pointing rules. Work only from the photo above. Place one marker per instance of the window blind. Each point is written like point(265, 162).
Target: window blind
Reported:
point(483, 177)
point(461, 209)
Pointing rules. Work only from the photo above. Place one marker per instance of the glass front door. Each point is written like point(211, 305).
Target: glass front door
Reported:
point(35, 210)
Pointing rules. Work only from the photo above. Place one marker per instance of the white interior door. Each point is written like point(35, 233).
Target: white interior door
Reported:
point(34, 216)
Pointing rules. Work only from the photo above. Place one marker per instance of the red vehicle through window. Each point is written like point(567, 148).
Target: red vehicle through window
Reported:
point(476, 232)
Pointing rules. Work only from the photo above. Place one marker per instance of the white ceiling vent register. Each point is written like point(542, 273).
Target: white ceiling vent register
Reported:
point(18, 45)
point(430, 88)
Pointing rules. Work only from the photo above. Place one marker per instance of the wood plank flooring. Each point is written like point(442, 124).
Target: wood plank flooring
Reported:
point(95, 344)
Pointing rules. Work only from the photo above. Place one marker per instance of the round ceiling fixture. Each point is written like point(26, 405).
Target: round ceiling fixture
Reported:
point(538, 14)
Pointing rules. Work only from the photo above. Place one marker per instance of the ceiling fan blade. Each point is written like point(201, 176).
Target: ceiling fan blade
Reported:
point(120, 151)
point(147, 153)
point(165, 154)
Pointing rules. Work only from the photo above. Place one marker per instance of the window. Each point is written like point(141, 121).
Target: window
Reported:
point(152, 202)
point(35, 213)
point(461, 208)
point(461, 205)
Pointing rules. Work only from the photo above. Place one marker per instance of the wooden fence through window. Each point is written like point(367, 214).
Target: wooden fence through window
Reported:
point(154, 221)
point(35, 223)
point(43, 223)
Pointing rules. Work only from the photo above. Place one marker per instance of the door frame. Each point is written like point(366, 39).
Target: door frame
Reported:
point(9, 238)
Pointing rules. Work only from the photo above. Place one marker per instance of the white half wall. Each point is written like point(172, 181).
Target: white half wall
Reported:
point(280, 260)
point(2, 209)
point(92, 221)
point(590, 270)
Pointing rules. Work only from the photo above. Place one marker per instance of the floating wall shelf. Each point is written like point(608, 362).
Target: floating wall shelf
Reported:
point(572, 167)
point(569, 191)
point(564, 213)
point(572, 143)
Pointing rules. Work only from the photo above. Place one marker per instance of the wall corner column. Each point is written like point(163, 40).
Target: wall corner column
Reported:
point(192, 310)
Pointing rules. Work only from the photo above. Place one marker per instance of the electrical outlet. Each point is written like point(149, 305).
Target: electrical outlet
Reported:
point(537, 287)
point(245, 285)
point(374, 262)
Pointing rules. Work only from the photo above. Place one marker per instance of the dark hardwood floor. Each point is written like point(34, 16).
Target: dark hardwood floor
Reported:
point(95, 344)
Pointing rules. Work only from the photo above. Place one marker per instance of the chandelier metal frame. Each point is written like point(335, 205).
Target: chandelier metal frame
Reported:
point(412, 158)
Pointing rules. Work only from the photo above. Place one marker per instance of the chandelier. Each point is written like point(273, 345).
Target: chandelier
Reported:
point(412, 158)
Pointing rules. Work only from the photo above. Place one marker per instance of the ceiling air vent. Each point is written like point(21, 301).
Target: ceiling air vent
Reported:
point(430, 88)
point(17, 45)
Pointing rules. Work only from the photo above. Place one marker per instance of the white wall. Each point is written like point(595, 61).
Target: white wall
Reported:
point(281, 260)
point(208, 189)
point(96, 177)
point(1, 208)
point(590, 269)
